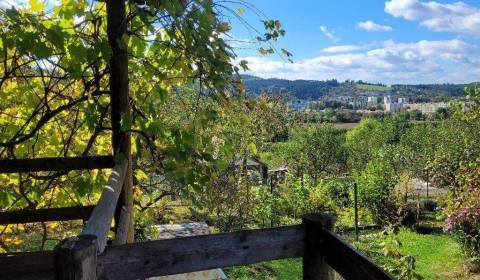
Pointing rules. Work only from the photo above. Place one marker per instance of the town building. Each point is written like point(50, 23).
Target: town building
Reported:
point(372, 99)
point(426, 108)
point(393, 107)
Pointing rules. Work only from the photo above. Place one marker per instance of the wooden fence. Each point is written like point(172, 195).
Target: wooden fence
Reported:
point(87, 257)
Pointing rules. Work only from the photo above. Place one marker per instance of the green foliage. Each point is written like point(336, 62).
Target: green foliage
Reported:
point(55, 85)
point(323, 151)
point(332, 89)
point(371, 138)
point(463, 220)
point(369, 87)
point(375, 190)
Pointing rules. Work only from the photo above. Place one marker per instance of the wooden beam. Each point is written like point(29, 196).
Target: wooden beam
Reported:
point(196, 253)
point(348, 262)
point(314, 265)
point(46, 215)
point(55, 164)
point(32, 265)
point(102, 215)
point(119, 95)
point(76, 258)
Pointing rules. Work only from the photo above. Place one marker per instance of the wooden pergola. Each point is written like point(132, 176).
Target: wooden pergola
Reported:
point(87, 255)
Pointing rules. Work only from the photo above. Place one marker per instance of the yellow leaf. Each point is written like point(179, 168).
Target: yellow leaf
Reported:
point(53, 225)
point(36, 5)
point(140, 175)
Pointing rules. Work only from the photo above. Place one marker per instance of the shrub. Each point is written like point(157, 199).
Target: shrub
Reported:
point(463, 221)
point(304, 196)
point(375, 191)
point(428, 204)
point(408, 215)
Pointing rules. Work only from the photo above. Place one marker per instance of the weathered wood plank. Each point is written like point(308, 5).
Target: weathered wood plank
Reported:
point(46, 215)
point(30, 276)
point(102, 215)
point(348, 262)
point(31, 265)
point(75, 258)
point(188, 254)
point(55, 164)
point(314, 265)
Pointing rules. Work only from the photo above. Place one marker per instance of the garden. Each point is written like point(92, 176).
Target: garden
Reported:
point(202, 149)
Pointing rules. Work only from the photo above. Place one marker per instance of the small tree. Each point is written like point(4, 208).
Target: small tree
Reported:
point(317, 151)
point(375, 190)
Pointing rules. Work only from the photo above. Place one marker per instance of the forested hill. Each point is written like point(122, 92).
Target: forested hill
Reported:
point(312, 90)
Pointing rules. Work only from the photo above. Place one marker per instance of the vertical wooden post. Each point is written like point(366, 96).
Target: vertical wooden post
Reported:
point(120, 107)
point(76, 258)
point(314, 265)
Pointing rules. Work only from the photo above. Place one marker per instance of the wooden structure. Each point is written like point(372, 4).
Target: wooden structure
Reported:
point(170, 231)
point(88, 256)
point(323, 253)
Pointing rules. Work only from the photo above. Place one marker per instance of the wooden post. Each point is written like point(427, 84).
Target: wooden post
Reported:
point(122, 230)
point(101, 218)
point(75, 258)
point(314, 265)
point(116, 28)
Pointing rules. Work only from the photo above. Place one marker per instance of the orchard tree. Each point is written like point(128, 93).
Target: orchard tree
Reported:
point(55, 87)
point(317, 151)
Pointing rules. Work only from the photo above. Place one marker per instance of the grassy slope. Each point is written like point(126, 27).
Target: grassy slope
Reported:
point(437, 256)
point(281, 270)
point(371, 87)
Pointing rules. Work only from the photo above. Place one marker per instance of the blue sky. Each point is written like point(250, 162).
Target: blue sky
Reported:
point(394, 41)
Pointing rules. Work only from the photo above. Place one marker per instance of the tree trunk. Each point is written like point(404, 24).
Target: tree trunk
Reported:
point(116, 27)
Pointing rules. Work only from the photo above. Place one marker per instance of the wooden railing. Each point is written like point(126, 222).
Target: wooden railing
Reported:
point(46, 215)
point(87, 256)
point(55, 164)
point(323, 253)
point(76, 257)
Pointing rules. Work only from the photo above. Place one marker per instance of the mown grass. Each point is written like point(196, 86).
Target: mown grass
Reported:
point(437, 256)
point(281, 270)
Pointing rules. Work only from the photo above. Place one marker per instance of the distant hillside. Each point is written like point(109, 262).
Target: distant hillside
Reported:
point(369, 87)
point(301, 89)
point(313, 90)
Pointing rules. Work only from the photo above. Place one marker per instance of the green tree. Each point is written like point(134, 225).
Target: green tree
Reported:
point(368, 139)
point(375, 190)
point(54, 84)
point(317, 151)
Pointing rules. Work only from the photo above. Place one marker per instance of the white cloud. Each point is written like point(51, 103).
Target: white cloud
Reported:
point(345, 48)
point(457, 17)
point(373, 27)
point(329, 34)
point(420, 62)
point(7, 4)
